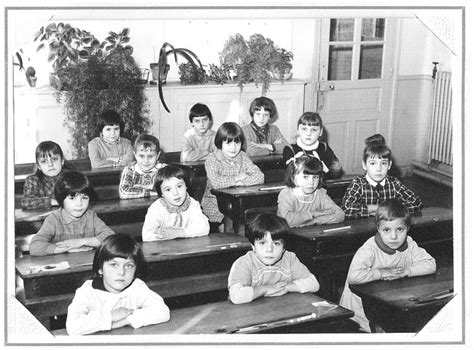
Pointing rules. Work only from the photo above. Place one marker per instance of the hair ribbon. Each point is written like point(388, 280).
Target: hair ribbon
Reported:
point(295, 157)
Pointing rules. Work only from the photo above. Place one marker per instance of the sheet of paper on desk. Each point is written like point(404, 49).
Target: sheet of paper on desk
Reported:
point(323, 307)
point(63, 265)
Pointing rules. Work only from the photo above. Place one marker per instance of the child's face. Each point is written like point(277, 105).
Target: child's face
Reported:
point(306, 183)
point(201, 124)
point(146, 158)
point(173, 190)
point(76, 206)
point(118, 274)
point(377, 168)
point(231, 149)
point(267, 250)
point(393, 233)
point(309, 134)
point(261, 117)
point(51, 165)
point(111, 133)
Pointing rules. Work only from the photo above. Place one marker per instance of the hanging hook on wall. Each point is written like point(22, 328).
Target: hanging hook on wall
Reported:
point(435, 69)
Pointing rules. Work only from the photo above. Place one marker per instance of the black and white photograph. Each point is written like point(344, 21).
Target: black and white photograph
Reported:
point(246, 174)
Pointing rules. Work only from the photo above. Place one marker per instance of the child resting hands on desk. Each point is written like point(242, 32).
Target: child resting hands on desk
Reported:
point(116, 296)
point(74, 227)
point(390, 254)
point(175, 214)
point(268, 269)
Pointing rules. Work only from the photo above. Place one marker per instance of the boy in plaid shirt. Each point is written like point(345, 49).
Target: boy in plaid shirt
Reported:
point(364, 194)
point(138, 177)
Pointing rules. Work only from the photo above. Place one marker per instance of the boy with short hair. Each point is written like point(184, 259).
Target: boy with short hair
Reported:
point(390, 254)
point(268, 270)
point(138, 177)
point(199, 140)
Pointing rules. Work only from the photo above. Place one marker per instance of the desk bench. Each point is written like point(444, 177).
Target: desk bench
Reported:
point(234, 201)
point(281, 314)
point(395, 305)
point(327, 250)
point(175, 268)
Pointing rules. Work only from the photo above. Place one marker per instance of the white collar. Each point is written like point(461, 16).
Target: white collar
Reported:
point(374, 183)
point(313, 147)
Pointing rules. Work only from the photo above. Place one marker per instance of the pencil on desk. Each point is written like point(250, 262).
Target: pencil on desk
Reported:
point(271, 188)
point(336, 229)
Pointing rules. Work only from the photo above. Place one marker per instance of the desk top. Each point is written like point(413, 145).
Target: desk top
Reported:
point(256, 159)
point(100, 207)
point(37, 266)
point(405, 293)
point(274, 187)
point(314, 232)
point(225, 317)
point(87, 172)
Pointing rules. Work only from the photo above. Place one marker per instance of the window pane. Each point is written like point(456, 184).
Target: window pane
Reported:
point(373, 29)
point(371, 62)
point(342, 29)
point(340, 63)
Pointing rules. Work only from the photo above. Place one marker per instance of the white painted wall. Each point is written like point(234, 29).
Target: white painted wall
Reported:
point(418, 48)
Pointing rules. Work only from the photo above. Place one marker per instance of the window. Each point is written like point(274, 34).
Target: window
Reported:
point(356, 48)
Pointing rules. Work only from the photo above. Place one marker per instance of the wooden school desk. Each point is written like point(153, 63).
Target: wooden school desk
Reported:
point(289, 313)
point(327, 250)
point(407, 304)
point(274, 161)
point(176, 267)
point(234, 201)
point(97, 177)
point(112, 211)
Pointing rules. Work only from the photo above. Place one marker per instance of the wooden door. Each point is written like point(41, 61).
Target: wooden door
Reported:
point(354, 94)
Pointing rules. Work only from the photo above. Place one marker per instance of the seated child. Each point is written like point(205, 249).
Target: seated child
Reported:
point(175, 214)
point(262, 138)
point(268, 270)
point(109, 149)
point(116, 296)
point(73, 227)
point(310, 129)
point(366, 191)
point(138, 177)
point(199, 140)
point(304, 202)
point(390, 254)
point(228, 166)
point(38, 191)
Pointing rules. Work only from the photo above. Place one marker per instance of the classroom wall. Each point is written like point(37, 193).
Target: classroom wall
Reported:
point(418, 48)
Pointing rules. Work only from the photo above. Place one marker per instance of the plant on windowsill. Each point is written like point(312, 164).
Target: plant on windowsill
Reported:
point(104, 76)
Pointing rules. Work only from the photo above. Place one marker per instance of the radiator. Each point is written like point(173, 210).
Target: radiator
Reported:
point(441, 130)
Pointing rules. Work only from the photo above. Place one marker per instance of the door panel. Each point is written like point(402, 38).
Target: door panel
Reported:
point(355, 84)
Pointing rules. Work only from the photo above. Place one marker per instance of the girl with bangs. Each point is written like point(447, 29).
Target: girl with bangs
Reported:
point(117, 296)
point(228, 166)
point(304, 202)
point(268, 270)
point(38, 190)
point(73, 227)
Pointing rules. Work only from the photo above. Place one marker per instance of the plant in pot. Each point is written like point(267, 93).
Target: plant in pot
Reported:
point(281, 65)
point(108, 79)
point(234, 52)
point(66, 45)
point(163, 66)
point(252, 59)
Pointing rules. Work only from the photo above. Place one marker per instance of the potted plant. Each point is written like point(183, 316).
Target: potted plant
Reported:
point(66, 45)
point(253, 59)
point(163, 66)
point(96, 76)
point(281, 65)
